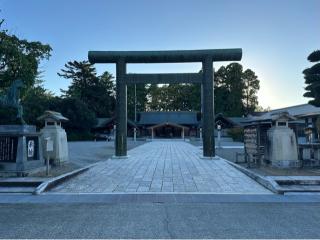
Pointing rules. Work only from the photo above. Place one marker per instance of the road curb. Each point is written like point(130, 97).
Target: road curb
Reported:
point(56, 180)
point(267, 183)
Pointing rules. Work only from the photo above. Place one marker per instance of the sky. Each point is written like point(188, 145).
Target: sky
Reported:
point(276, 36)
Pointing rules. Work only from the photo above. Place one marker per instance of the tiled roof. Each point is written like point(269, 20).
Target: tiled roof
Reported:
point(102, 122)
point(296, 111)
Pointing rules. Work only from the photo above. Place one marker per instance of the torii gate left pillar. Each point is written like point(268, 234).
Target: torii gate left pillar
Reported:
point(121, 109)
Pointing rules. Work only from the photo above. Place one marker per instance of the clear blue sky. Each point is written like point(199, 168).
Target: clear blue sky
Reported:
point(276, 36)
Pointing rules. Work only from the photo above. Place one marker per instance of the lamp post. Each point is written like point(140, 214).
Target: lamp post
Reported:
point(219, 135)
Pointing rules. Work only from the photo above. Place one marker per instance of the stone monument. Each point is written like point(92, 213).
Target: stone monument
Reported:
point(281, 150)
point(53, 131)
point(20, 145)
point(11, 98)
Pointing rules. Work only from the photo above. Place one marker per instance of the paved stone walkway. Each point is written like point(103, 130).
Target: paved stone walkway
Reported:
point(163, 166)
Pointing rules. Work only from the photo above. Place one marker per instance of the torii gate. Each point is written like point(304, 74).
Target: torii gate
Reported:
point(206, 78)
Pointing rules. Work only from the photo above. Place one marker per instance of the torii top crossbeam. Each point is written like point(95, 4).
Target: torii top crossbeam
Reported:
point(172, 56)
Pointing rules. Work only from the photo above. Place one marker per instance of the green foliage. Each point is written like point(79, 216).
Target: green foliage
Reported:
point(251, 87)
point(315, 69)
point(174, 97)
point(229, 81)
point(314, 56)
point(236, 90)
point(312, 79)
point(20, 58)
point(35, 102)
point(95, 91)
point(80, 136)
point(8, 115)
point(236, 134)
point(235, 93)
point(141, 99)
point(81, 118)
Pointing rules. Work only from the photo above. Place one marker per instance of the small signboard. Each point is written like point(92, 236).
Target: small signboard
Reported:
point(49, 145)
point(250, 140)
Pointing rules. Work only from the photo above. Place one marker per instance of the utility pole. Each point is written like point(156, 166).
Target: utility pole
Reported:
point(135, 103)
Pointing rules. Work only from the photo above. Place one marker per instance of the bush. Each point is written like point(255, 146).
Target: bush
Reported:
point(236, 134)
point(8, 116)
point(81, 118)
point(80, 136)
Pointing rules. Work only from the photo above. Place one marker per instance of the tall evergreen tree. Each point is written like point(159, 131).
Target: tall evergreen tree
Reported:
point(235, 90)
point(251, 87)
point(96, 92)
point(312, 79)
point(230, 82)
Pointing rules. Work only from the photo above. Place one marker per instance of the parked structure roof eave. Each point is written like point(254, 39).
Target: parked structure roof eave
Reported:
point(168, 124)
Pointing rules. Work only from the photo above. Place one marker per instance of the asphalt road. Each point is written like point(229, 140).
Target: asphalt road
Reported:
point(163, 219)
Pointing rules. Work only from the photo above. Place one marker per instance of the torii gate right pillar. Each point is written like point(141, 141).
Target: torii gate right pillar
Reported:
point(208, 105)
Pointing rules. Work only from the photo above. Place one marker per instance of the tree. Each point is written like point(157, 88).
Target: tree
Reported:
point(36, 100)
point(20, 58)
point(141, 99)
point(229, 81)
point(251, 87)
point(235, 90)
point(95, 91)
point(312, 79)
point(155, 98)
point(174, 97)
point(235, 93)
point(105, 95)
point(81, 118)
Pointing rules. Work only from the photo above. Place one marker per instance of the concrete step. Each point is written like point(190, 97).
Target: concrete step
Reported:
point(17, 189)
point(20, 184)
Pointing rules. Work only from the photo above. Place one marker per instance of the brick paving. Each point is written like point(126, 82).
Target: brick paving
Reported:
point(162, 166)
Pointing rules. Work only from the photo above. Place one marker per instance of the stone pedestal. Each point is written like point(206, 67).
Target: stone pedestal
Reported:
point(58, 135)
point(281, 148)
point(20, 149)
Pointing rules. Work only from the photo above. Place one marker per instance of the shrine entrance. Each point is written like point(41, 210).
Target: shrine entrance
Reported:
point(205, 78)
point(168, 130)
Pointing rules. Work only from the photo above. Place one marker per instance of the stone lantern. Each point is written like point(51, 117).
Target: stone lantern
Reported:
point(54, 132)
point(281, 149)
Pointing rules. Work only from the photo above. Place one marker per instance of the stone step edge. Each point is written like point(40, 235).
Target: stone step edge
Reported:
point(51, 183)
point(267, 183)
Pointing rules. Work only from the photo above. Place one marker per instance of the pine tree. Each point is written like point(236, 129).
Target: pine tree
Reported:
point(95, 91)
point(251, 87)
point(312, 79)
